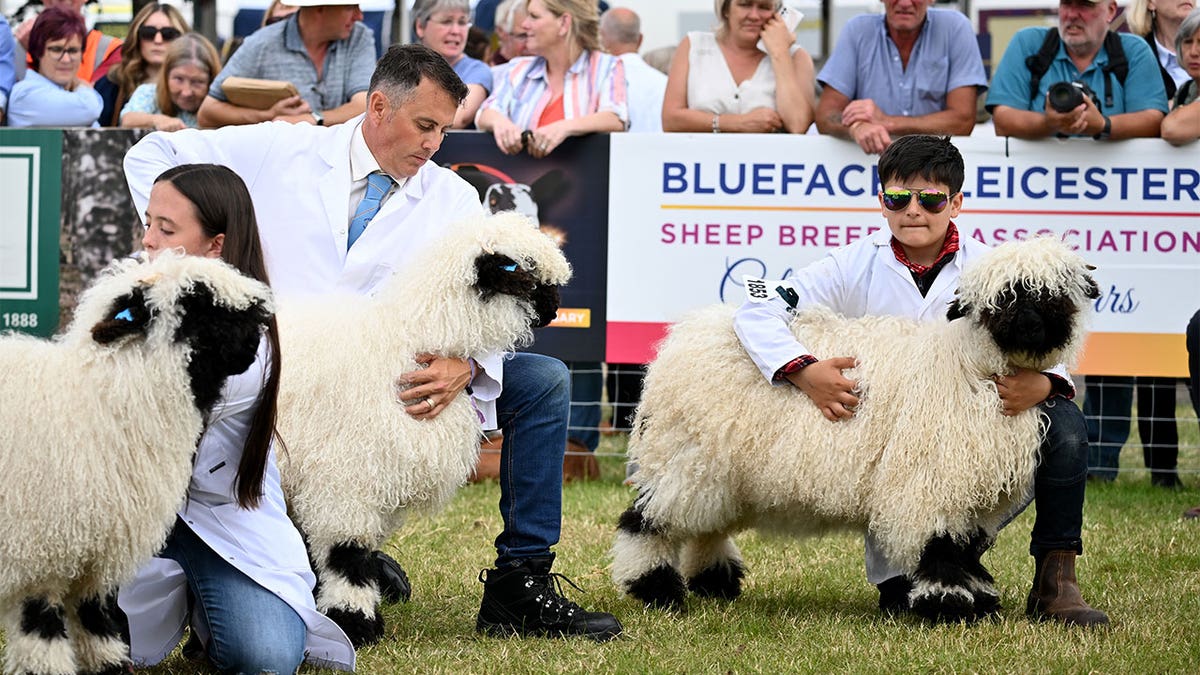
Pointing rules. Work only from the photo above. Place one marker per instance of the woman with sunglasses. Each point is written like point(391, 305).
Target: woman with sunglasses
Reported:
point(171, 101)
point(52, 94)
point(151, 32)
point(912, 269)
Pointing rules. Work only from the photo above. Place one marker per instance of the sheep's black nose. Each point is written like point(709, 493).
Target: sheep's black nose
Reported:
point(545, 304)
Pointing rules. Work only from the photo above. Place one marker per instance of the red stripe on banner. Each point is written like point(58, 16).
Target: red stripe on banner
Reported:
point(633, 341)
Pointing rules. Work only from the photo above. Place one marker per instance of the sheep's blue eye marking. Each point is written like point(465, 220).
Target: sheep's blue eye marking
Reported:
point(509, 268)
point(124, 315)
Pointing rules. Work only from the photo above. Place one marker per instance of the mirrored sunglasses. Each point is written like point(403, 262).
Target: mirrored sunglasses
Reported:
point(168, 33)
point(932, 201)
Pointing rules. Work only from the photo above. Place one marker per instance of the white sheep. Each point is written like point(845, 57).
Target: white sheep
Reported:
point(928, 464)
point(98, 428)
point(356, 464)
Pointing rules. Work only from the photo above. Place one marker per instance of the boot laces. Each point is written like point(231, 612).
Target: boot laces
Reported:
point(550, 593)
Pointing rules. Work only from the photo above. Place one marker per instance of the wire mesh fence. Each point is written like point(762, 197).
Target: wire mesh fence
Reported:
point(1137, 426)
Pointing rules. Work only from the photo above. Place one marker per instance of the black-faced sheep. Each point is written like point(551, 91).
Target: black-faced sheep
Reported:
point(97, 433)
point(357, 464)
point(928, 464)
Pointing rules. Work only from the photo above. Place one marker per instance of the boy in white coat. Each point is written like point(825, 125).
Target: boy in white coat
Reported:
point(912, 269)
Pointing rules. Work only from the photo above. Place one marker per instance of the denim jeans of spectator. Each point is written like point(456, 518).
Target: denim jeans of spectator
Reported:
point(1193, 351)
point(1108, 406)
point(587, 387)
point(532, 412)
point(250, 629)
point(1058, 489)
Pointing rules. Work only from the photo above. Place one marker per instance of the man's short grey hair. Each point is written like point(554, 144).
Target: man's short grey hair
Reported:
point(423, 9)
point(506, 14)
point(620, 27)
point(1191, 23)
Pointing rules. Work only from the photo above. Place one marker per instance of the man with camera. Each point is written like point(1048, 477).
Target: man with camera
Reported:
point(1081, 80)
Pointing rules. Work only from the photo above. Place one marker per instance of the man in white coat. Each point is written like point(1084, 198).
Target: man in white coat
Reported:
point(912, 269)
point(312, 187)
point(621, 36)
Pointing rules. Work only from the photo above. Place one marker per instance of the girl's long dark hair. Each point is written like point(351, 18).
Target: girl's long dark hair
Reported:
point(223, 206)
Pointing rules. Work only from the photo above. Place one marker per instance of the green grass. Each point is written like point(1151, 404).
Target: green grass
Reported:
point(806, 606)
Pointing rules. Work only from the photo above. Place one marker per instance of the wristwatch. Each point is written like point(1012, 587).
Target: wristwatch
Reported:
point(1106, 132)
point(320, 119)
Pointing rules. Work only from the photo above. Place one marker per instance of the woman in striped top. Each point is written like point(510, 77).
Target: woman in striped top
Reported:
point(567, 88)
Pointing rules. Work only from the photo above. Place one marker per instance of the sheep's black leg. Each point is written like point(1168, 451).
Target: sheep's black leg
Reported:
point(348, 592)
point(37, 639)
point(941, 586)
point(102, 636)
point(645, 562)
point(714, 567)
point(983, 590)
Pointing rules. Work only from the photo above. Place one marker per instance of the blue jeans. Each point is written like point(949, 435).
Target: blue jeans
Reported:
point(251, 629)
point(1108, 404)
point(532, 412)
point(1060, 481)
point(587, 385)
point(1193, 350)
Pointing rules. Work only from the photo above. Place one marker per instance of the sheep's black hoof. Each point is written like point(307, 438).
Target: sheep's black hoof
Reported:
point(661, 587)
point(893, 595)
point(723, 580)
point(987, 605)
point(943, 604)
point(361, 629)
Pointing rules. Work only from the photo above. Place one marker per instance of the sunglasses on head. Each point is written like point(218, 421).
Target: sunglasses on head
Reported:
point(168, 33)
point(933, 201)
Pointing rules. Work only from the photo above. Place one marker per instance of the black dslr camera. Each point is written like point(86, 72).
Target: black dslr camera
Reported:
point(1066, 96)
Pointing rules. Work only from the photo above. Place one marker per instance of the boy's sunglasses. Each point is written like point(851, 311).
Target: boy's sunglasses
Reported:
point(930, 200)
point(168, 33)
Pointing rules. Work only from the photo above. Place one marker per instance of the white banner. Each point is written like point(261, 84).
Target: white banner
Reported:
point(711, 208)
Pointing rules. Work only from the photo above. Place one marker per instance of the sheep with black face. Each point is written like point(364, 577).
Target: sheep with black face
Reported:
point(97, 433)
point(356, 464)
point(929, 463)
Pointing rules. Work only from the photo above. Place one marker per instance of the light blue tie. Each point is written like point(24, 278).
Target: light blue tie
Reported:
point(378, 185)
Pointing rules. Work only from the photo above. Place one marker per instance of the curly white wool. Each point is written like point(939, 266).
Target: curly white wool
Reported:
point(927, 452)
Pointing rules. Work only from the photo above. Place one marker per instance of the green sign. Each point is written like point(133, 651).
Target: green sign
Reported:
point(30, 205)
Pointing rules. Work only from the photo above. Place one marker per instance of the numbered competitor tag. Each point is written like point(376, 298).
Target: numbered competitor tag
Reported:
point(761, 290)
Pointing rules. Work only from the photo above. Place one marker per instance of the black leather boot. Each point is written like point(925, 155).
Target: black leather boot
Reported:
point(527, 600)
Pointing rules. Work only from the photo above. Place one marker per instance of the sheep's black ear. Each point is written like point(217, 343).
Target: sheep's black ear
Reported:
point(128, 315)
point(549, 188)
point(1090, 289)
point(499, 274)
point(224, 341)
point(957, 310)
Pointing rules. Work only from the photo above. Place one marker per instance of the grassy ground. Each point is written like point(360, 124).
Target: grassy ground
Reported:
point(806, 606)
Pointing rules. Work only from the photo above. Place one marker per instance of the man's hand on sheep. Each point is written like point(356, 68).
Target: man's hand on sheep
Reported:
point(831, 391)
point(427, 391)
point(1022, 390)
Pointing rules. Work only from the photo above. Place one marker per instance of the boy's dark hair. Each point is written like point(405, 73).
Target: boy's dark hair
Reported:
point(933, 158)
point(400, 70)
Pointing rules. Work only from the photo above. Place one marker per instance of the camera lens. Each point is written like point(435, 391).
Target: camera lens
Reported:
point(1064, 96)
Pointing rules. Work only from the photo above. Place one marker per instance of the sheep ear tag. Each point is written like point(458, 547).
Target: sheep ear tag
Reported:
point(759, 290)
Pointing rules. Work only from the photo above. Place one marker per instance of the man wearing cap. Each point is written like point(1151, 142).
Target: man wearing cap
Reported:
point(323, 50)
point(1130, 107)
